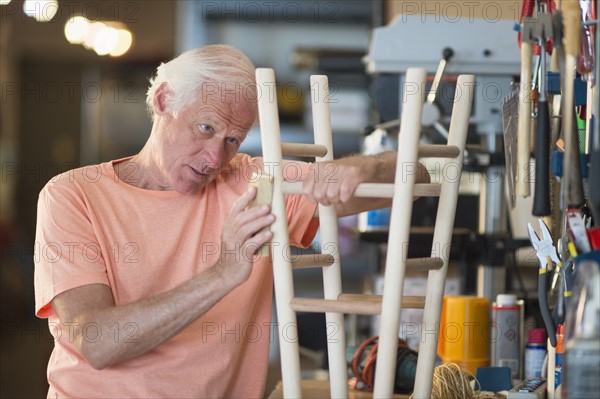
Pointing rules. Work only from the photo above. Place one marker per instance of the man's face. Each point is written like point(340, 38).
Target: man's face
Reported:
point(200, 142)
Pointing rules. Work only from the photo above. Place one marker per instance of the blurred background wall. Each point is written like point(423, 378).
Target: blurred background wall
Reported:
point(55, 95)
point(63, 106)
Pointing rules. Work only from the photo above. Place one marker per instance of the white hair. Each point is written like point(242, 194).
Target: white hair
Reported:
point(185, 75)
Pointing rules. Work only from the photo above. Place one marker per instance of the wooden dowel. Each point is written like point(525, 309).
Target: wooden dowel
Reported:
point(442, 239)
point(352, 304)
point(282, 272)
point(438, 151)
point(332, 277)
point(324, 260)
point(303, 150)
point(391, 308)
point(427, 190)
point(374, 190)
point(424, 264)
point(316, 150)
point(310, 261)
point(313, 305)
point(408, 301)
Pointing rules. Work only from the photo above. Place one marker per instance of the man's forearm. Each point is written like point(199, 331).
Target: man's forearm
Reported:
point(378, 168)
point(386, 168)
point(141, 325)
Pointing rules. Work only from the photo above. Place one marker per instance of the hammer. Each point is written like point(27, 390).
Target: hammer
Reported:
point(572, 192)
point(542, 28)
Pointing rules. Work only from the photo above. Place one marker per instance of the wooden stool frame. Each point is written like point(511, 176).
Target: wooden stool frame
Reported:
point(335, 304)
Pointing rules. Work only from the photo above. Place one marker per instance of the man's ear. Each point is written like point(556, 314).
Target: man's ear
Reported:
point(160, 98)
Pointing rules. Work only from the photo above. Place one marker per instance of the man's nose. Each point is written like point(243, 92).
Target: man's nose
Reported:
point(213, 155)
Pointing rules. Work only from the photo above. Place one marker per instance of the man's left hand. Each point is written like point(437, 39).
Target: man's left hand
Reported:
point(334, 182)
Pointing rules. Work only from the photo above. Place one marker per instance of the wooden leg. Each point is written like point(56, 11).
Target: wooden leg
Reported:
point(408, 142)
point(332, 275)
point(442, 238)
point(282, 269)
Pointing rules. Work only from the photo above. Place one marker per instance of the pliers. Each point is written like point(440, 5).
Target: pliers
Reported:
point(546, 253)
point(567, 276)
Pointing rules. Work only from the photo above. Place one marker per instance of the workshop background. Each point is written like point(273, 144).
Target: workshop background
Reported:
point(68, 102)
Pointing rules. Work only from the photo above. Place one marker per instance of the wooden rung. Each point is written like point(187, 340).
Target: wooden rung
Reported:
point(438, 151)
point(303, 150)
point(352, 304)
point(315, 305)
point(374, 190)
point(313, 260)
point(427, 190)
point(424, 264)
point(408, 302)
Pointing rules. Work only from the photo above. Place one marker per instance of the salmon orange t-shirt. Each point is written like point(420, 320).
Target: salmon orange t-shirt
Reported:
point(93, 228)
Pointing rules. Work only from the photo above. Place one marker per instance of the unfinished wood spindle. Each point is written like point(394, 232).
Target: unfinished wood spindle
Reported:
point(282, 270)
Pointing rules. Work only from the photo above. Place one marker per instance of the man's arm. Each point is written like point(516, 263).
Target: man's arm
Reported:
point(161, 317)
point(334, 182)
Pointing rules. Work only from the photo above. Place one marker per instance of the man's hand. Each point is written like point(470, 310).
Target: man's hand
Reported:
point(334, 182)
point(241, 237)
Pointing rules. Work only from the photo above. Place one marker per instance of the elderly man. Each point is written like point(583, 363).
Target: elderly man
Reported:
point(145, 267)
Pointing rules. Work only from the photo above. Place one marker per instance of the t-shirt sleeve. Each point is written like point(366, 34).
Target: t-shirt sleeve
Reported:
point(66, 254)
point(300, 211)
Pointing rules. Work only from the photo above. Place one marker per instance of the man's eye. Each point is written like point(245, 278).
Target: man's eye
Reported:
point(233, 141)
point(203, 128)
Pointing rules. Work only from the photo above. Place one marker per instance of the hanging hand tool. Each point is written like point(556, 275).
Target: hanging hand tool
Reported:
point(524, 130)
point(585, 62)
point(557, 65)
point(567, 277)
point(572, 191)
point(510, 118)
point(594, 173)
point(546, 253)
point(541, 199)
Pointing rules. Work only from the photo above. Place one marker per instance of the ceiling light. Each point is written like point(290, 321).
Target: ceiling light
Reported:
point(104, 37)
point(76, 29)
point(41, 10)
point(93, 29)
point(106, 40)
point(123, 44)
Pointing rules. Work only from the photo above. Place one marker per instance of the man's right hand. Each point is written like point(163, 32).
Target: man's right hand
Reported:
point(242, 235)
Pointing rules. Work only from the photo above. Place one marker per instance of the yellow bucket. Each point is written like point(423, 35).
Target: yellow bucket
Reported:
point(464, 332)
